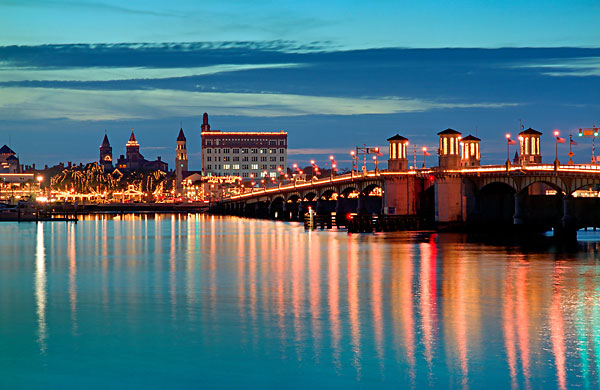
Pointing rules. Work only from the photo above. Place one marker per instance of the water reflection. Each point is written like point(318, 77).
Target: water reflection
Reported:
point(40, 287)
point(421, 310)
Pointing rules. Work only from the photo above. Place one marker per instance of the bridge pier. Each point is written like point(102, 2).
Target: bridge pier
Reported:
point(568, 231)
point(520, 217)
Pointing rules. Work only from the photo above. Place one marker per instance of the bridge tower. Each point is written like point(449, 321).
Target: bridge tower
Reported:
point(530, 146)
point(470, 156)
point(449, 152)
point(397, 160)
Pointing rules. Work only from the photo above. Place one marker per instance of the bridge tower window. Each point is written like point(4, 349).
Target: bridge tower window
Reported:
point(397, 156)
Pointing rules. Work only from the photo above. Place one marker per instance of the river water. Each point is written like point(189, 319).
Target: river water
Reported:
point(202, 301)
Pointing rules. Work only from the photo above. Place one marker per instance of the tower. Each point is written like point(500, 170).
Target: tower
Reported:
point(449, 153)
point(133, 152)
point(469, 151)
point(205, 126)
point(398, 160)
point(106, 154)
point(530, 146)
point(181, 161)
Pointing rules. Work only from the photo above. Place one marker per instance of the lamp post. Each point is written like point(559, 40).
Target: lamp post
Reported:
point(375, 160)
point(507, 149)
point(353, 154)
point(556, 133)
point(424, 155)
point(332, 164)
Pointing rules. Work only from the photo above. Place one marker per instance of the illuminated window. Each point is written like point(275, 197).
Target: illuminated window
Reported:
point(472, 149)
point(226, 166)
point(254, 166)
point(451, 146)
point(236, 166)
point(445, 148)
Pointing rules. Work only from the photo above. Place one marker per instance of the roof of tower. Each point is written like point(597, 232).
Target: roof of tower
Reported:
point(449, 131)
point(132, 136)
point(11, 158)
point(530, 131)
point(105, 141)
point(470, 138)
point(181, 136)
point(397, 137)
point(6, 150)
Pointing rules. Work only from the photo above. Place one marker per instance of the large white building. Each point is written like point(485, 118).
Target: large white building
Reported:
point(244, 154)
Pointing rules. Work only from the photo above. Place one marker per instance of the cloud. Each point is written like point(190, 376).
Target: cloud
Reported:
point(87, 5)
point(86, 74)
point(568, 67)
point(44, 103)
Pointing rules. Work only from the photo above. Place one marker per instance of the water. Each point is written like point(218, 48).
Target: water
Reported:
point(200, 301)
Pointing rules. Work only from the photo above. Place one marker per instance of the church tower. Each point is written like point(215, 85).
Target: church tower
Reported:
point(181, 161)
point(106, 154)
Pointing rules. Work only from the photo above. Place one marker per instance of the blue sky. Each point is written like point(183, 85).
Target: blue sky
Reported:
point(333, 74)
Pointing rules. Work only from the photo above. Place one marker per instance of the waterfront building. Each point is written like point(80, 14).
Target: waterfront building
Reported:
point(9, 162)
point(106, 154)
point(134, 160)
point(242, 154)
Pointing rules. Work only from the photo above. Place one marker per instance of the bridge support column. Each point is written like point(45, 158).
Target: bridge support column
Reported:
point(361, 208)
point(569, 220)
point(520, 218)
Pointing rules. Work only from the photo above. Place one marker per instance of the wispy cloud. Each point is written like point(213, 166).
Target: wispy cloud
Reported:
point(568, 67)
point(88, 5)
point(17, 74)
point(160, 103)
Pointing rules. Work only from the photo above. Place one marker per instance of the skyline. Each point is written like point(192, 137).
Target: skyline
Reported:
point(345, 73)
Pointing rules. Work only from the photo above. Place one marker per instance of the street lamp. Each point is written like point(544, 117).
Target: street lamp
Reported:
point(424, 155)
point(353, 154)
point(375, 160)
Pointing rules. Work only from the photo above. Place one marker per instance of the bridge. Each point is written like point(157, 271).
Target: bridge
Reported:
point(459, 192)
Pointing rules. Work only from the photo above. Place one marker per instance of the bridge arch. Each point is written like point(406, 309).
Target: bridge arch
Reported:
point(554, 182)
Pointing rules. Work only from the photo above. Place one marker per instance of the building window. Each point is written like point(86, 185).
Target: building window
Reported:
point(264, 151)
point(272, 166)
point(254, 166)
point(272, 142)
point(281, 158)
point(281, 143)
point(281, 167)
point(254, 158)
point(208, 142)
point(236, 166)
point(236, 150)
point(244, 166)
point(273, 174)
point(208, 158)
point(226, 158)
point(226, 150)
point(236, 158)
point(226, 166)
point(263, 159)
point(208, 150)
point(272, 158)
point(245, 158)
point(272, 151)
point(235, 173)
point(282, 151)
point(244, 174)
point(245, 150)
point(263, 166)
point(209, 167)
point(254, 150)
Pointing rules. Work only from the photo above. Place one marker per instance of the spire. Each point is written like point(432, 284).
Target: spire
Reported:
point(516, 158)
point(181, 136)
point(132, 141)
point(105, 141)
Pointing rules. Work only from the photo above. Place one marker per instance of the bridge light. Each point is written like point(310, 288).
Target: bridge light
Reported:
point(312, 162)
point(507, 135)
point(331, 157)
point(424, 148)
point(374, 157)
point(352, 152)
point(556, 133)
